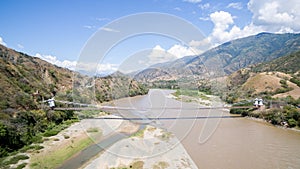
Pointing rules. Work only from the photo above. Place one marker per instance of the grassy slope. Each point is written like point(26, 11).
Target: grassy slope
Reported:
point(266, 77)
point(56, 157)
point(265, 81)
point(288, 64)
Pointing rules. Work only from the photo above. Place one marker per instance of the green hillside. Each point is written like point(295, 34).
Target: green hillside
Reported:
point(25, 81)
point(287, 64)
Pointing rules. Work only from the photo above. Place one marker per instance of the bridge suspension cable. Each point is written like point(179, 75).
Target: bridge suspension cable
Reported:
point(83, 106)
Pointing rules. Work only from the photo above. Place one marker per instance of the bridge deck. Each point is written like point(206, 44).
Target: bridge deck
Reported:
point(147, 109)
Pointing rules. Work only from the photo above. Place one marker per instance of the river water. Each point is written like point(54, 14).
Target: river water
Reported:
point(213, 141)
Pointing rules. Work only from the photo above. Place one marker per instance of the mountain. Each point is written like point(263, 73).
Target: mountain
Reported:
point(226, 58)
point(23, 77)
point(278, 78)
point(286, 64)
point(25, 81)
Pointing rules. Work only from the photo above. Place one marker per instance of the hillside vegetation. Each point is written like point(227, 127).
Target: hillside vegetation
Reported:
point(26, 81)
point(288, 64)
point(22, 76)
point(277, 82)
point(277, 79)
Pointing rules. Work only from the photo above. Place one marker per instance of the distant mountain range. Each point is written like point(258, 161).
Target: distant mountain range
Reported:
point(224, 59)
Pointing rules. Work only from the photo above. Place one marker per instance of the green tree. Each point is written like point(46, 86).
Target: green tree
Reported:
point(292, 122)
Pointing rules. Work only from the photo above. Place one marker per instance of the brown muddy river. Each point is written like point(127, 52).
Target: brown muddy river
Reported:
point(216, 141)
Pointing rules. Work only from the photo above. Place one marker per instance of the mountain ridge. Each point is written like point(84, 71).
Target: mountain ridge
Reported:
point(228, 57)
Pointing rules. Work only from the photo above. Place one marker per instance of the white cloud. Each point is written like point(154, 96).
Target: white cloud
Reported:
point(160, 55)
point(284, 29)
point(2, 42)
point(102, 19)
point(88, 26)
point(52, 59)
point(225, 29)
point(178, 9)
point(235, 5)
point(200, 46)
point(204, 6)
point(109, 29)
point(222, 20)
point(159, 48)
point(20, 46)
point(204, 18)
point(271, 14)
point(180, 51)
point(192, 1)
point(105, 68)
point(276, 15)
point(96, 68)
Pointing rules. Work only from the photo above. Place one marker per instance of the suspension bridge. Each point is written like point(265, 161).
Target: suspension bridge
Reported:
point(82, 107)
point(148, 109)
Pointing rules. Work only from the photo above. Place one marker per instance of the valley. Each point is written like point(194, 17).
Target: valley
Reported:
point(163, 116)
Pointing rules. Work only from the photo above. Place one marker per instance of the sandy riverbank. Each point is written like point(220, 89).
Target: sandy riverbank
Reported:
point(72, 140)
point(205, 101)
point(150, 148)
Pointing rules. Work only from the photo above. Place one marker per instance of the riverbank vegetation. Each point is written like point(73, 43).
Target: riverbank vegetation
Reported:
point(55, 158)
point(24, 130)
point(191, 93)
point(276, 82)
point(279, 92)
point(287, 114)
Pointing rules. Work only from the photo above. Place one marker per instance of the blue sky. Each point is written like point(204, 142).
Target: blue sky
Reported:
point(57, 30)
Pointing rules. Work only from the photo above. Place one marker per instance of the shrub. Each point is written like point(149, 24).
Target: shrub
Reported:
point(38, 147)
point(50, 133)
point(23, 165)
point(92, 130)
point(295, 80)
point(16, 159)
point(37, 139)
point(282, 90)
point(276, 120)
point(283, 83)
point(292, 122)
point(244, 112)
point(235, 111)
point(69, 122)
